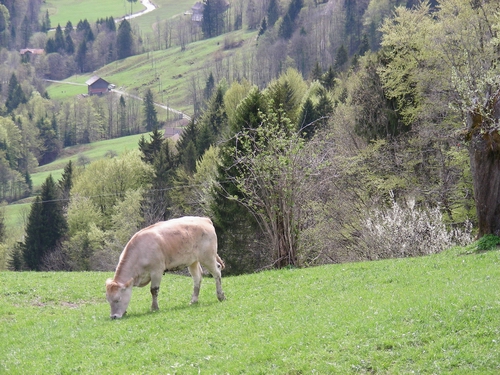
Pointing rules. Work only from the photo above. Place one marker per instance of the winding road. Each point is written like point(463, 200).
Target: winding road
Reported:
point(149, 8)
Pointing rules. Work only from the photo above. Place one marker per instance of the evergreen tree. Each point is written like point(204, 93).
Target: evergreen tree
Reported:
point(307, 118)
point(81, 56)
point(263, 27)
point(341, 58)
point(213, 18)
point(286, 27)
point(209, 87)
point(33, 249)
point(273, 12)
point(70, 46)
point(66, 183)
point(124, 40)
point(46, 225)
point(16, 261)
point(317, 72)
point(15, 94)
point(152, 148)
point(68, 29)
point(59, 41)
point(328, 78)
point(187, 149)
point(150, 114)
point(123, 117)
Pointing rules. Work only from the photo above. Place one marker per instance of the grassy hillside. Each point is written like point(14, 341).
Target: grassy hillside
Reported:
point(60, 11)
point(431, 315)
point(16, 213)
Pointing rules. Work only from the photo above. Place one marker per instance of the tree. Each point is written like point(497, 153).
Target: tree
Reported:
point(66, 183)
point(213, 18)
point(434, 63)
point(150, 114)
point(273, 12)
point(15, 94)
point(124, 40)
point(131, 2)
point(269, 180)
point(46, 226)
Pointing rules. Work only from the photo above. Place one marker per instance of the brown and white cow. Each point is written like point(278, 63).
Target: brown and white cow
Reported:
point(183, 242)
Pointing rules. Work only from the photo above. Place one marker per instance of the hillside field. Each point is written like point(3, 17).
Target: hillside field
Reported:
point(438, 314)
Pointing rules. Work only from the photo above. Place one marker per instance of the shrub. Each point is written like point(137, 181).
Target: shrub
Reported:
point(409, 231)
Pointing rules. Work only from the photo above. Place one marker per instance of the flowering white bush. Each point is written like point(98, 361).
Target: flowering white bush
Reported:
point(409, 231)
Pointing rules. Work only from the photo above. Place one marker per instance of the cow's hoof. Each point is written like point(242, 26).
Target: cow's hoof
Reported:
point(221, 297)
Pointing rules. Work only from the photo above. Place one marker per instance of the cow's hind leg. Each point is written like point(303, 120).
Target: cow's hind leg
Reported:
point(155, 288)
point(195, 271)
point(213, 268)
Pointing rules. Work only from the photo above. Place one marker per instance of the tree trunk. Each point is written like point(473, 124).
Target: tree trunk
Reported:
point(484, 154)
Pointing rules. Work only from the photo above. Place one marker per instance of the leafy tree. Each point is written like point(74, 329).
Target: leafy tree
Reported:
point(46, 225)
point(150, 114)
point(434, 63)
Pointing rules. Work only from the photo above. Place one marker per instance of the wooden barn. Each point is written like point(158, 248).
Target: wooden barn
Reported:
point(97, 86)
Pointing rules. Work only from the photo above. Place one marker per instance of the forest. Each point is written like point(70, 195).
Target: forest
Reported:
point(350, 130)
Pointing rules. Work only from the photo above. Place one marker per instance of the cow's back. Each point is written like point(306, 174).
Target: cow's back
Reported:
point(172, 244)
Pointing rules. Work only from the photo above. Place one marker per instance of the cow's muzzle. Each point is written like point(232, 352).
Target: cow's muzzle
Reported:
point(116, 316)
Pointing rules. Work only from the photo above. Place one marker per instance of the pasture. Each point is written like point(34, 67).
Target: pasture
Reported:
point(438, 314)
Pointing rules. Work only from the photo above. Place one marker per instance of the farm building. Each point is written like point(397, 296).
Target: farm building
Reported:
point(97, 86)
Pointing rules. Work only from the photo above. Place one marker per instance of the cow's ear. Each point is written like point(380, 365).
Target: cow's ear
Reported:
point(128, 283)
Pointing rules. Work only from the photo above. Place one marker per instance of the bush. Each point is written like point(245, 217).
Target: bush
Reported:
point(488, 242)
point(409, 231)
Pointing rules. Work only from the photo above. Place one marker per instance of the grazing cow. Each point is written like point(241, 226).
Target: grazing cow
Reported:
point(183, 242)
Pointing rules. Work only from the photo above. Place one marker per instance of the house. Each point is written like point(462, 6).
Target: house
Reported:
point(31, 51)
point(97, 86)
point(197, 12)
point(26, 53)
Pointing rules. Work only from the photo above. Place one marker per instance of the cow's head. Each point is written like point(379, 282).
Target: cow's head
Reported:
point(118, 296)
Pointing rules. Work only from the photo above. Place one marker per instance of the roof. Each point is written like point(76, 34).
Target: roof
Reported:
point(34, 51)
point(93, 80)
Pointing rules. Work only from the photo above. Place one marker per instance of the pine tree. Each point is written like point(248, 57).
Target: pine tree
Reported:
point(15, 94)
point(46, 225)
point(59, 41)
point(273, 12)
point(66, 183)
point(341, 57)
point(33, 250)
point(308, 116)
point(124, 40)
point(150, 114)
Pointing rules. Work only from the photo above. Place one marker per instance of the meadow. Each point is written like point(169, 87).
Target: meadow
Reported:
point(438, 314)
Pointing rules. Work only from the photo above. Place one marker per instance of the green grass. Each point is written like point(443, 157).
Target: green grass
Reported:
point(14, 213)
point(62, 11)
point(168, 73)
point(431, 315)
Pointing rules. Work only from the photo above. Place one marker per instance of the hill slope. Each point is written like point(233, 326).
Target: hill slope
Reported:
point(436, 314)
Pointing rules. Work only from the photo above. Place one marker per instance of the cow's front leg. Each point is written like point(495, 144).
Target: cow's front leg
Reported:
point(154, 294)
point(195, 271)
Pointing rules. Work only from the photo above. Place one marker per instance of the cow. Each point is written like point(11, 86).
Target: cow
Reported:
point(167, 245)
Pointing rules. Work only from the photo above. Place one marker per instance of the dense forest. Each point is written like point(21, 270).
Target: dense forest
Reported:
point(353, 130)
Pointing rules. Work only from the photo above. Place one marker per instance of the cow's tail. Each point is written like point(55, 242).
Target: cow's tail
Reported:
point(220, 262)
